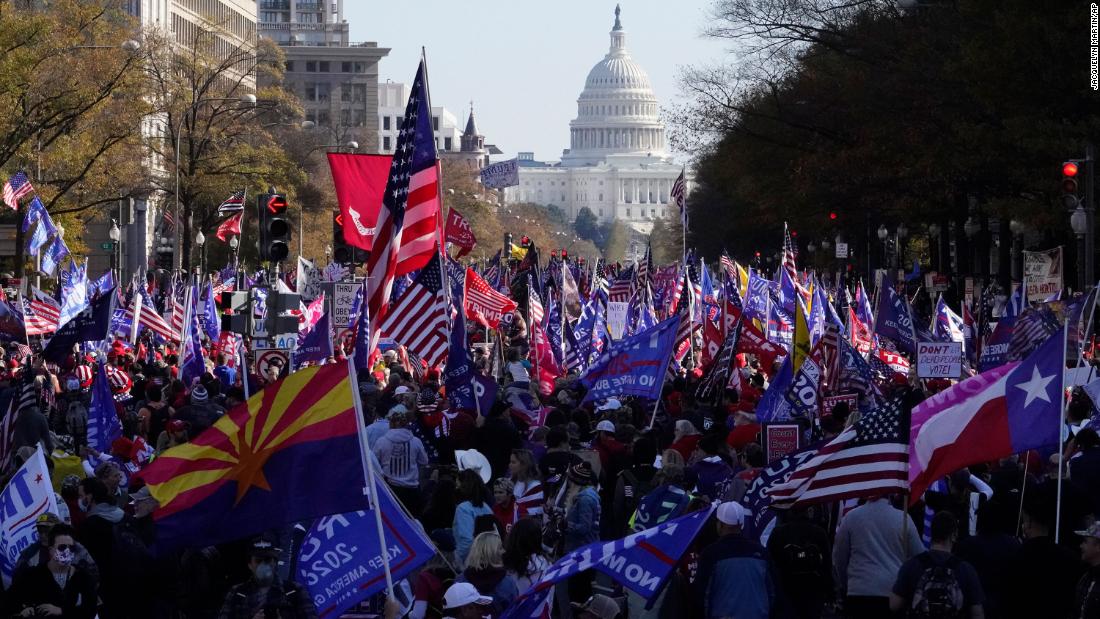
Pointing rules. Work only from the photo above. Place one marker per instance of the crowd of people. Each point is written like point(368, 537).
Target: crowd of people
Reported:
point(503, 498)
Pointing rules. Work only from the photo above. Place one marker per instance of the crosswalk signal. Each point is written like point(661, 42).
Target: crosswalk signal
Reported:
point(1070, 197)
point(274, 226)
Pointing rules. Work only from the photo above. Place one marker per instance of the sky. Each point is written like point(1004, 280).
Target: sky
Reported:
point(523, 62)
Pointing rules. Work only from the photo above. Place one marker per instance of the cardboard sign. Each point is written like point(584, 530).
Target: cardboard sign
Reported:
point(1043, 273)
point(939, 359)
point(780, 439)
point(829, 402)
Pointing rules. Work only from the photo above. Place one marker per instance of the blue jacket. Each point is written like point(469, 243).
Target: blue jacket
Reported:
point(582, 523)
point(462, 527)
point(735, 580)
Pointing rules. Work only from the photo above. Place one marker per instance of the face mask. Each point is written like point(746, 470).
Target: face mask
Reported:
point(63, 557)
point(83, 505)
point(265, 573)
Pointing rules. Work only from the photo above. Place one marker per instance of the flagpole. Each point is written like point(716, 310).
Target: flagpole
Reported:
point(368, 472)
point(1061, 428)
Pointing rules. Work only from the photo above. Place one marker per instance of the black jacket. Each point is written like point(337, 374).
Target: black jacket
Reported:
point(36, 586)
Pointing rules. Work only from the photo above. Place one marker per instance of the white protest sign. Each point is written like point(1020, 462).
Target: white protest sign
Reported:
point(1043, 273)
point(616, 318)
point(939, 359)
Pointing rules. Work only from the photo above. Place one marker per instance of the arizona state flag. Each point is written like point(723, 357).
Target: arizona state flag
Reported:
point(290, 453)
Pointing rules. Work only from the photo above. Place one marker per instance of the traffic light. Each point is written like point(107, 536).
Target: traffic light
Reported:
point(343, 253)
point(833, 216)
point(1070, 197)
point(274, 227)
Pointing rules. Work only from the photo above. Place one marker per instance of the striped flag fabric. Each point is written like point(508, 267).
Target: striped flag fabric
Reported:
point(623, 287)
point(869, 458)
point(232, 204)
point(150, 319)
point(535, 310)
point(406, 234)
point(482, 303)
point(678, 196)
point(41, 314)
point(7, 434)
point(418, 319)
point(728, 267)
point(790, 252)
point(1034, 325)
point(16, 187)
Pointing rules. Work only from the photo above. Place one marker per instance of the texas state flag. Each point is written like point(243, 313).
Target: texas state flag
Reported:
point(1007, 410)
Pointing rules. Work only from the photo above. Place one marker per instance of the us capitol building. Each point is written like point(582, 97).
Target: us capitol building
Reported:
point(617, 164)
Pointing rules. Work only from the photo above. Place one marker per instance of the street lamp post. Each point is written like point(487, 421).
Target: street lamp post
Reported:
point(248, 100)
point(115, 235)
point(1018, 228)
point(883, 235)
point(1079, 222)
point(972, 228)
point(934, 240)
point(200, 241)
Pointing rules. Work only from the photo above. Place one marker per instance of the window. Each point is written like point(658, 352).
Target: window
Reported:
point(435, 123)
point(447, 143)
point(628, 212)
point(385, 142)
point(311, 91)
point(323, 118)
point(345, 67)
point(289, 66)
point(345, 93)
point(601, 197)
point(359, 93)
point(345, 117)
point(360, 67)
point(563, 197)
point(324, 90)
point(323, 66)
point(601, 213)
point(311, 66)
point(359, 118)
point(652, 212)
point(400, 121)
point(385, 123)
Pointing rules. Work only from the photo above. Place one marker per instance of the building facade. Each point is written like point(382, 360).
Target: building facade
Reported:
point(617, 164)
point(335, 79)
point(392, 100)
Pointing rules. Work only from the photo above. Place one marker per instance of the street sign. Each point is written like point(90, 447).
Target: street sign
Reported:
point(841, 250)
point(106, 245)
point(268, 358)
point(287, 341)
point(343, 297)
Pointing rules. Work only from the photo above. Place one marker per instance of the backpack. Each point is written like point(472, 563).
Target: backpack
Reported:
point(803, 559)
point(633, 491)
point(937, 593)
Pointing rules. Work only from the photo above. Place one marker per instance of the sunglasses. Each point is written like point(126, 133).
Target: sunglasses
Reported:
point(63, 547)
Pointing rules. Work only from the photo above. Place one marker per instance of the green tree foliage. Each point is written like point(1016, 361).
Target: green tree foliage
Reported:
point(71, 104)
point(225, 143)
point(618, 235)
point(666, 241)
point(883, 115)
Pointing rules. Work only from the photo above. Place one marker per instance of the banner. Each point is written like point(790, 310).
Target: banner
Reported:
point(27, 496)
point(641, 562)
point(1043, 273)
point(341, 558)
point(360, 182)
point(757, 501)
point(459, 233)
point(635, 365)
point(500, 174)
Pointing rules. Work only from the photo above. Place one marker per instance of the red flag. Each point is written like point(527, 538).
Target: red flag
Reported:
point(230, 227)
point(360, 182)
point(458, 232)
point(543, 355)
point(712, 343)
point(752, 340)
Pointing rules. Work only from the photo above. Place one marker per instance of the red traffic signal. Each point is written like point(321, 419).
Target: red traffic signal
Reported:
point(276, 203)
point(832, 215)
point(1070, 199)
point(1069, 168)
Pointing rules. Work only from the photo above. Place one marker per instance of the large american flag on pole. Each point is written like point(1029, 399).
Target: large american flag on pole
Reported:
point(869, 458)
point(407, 229)
point(40, 314)
point(678, 196)
point(790, 252)
point(418, 319)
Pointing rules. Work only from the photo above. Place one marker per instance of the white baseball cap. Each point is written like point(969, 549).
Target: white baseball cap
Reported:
point(462, 593)
point(610, 404)
point(605, 426)
point(402, 390)
point(731, 513)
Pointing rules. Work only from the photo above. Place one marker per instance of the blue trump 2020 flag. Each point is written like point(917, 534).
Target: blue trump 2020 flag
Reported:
point(316, 344)
point(635, 365)
point(642, 562)
point(341, 557)
point(90, 325)
point(894, 319)
point(103, 424)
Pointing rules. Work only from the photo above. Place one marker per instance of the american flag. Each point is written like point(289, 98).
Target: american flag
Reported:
point(869, 458)
point(790, 252)
point(16, 187)
point(148, 318)
point(623, 287)
point(7, 435)
point(529, 502)
point(678, 195)
point(232, 204)
point(169, 219)
point(41, 314)
point(535, 310)
point(407, 231)
point(728, 266)
point(1033, 326)
point(177, 314)
point(418, 319)
point(482, 303)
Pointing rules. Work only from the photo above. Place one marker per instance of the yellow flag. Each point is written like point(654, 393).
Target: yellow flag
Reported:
point(800, 346)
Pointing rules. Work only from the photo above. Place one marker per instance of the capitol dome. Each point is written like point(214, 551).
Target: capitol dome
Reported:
point(617, 112)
